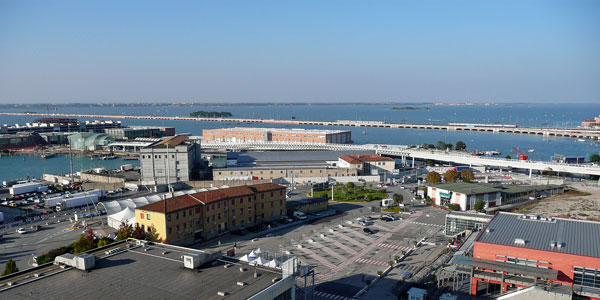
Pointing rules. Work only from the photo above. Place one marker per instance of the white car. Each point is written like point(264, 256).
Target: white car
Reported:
point(21, 231)
point(363, 223)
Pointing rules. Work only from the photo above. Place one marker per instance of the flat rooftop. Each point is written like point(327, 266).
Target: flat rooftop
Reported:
point(484, 188)
point(139, 274)
point(577, 236)
point(290, 157)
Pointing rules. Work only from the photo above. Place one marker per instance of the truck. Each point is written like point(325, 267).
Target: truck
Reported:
point(75, 200)
point(388, 202)
point(27, 187)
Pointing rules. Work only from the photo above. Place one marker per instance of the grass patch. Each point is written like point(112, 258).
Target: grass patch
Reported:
point(347, 193)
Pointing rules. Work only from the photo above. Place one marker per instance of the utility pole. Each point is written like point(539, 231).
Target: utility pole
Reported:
point(70, 152)
point(332, 192)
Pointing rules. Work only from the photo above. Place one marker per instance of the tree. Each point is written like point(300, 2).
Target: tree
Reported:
point(11, 267)
point(508, 157)
point(594, 158)
point(441, 145)
point(431, 146)
point(450, 176)
point(467, 175)
point(103, 241)
point(453, 207)
point(139, 233)
point(479, 205)
point(152, 235)
point(350, 185)
point(398, 198)
point(125, 231)
point(83, 244)
point(433, 177)
point(460, 145)
point(43, 259)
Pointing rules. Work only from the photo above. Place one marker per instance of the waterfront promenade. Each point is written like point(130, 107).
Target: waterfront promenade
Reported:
point(578, 133)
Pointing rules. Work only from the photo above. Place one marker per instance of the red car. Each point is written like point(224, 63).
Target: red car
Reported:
point(36, 207)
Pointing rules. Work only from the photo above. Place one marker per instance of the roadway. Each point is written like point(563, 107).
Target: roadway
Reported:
point(55, 232)
point(408, 155)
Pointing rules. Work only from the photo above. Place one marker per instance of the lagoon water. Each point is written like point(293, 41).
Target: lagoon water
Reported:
point(542, 115)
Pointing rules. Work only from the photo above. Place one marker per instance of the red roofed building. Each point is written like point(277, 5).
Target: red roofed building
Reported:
point(199, 216)
point(369, 164)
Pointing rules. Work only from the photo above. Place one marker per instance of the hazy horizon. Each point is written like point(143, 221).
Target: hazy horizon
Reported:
point(309, 52)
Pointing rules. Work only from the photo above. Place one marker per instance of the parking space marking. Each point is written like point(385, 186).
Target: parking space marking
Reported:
point(426, 224)
point(349, 239)
point(340, 245)
point(329, 251)
point(393, 246)
point(371, 262)
point(380, 227)
point(320, 259)
point(331, 296)
point(360, 235)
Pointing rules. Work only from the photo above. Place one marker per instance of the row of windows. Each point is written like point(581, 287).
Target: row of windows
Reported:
point(586, 277)
point(156, 156)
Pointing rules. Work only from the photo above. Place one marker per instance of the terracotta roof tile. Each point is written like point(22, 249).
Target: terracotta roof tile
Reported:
point(265, 187)
point(355, 159)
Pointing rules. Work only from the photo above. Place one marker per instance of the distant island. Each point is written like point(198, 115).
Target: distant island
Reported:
point(410, 108)
point(210, 114)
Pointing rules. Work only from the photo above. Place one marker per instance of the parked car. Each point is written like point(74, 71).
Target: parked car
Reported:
point(21, 231)
point(363, 223)
point(368, 230)
point(387, 219)
point(36, 227)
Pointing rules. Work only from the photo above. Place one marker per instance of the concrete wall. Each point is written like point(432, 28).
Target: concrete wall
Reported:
point(219, 183)
point(344, 179)
point(101, 178)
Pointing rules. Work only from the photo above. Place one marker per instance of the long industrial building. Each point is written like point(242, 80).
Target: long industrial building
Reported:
point(195, 217)
point(516, 251)
point(243, 134)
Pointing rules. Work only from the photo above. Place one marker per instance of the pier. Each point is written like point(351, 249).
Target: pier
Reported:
point(577, 133)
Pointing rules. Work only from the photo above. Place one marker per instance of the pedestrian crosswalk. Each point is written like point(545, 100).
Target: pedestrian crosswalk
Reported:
point(371, 262)
point(392, 246)
point(331, 296)
point(427, 224)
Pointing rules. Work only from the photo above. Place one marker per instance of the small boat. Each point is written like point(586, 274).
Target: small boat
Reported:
point(580, 140)
point(364, 132)
point(107, 157)
point(47, 155)
point(531, 150)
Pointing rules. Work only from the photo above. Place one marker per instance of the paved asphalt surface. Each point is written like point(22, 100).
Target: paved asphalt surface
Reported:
point(343, 256)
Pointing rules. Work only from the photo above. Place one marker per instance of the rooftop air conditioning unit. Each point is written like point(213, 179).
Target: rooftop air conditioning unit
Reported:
point(552, 244)
point(520, 242)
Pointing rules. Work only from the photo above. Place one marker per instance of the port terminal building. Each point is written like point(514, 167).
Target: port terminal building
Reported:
point(554, 255)
point(296, 135)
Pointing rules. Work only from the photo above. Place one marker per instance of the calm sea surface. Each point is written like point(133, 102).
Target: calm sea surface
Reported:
point(551, 115)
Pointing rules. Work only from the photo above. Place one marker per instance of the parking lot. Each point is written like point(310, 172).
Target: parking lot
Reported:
point(344, 256)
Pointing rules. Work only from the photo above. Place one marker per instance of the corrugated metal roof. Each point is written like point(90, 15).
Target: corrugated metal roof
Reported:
point(574, 236)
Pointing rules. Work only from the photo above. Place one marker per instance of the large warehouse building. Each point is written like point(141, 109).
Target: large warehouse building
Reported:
point(298, 135)
point(520, 251)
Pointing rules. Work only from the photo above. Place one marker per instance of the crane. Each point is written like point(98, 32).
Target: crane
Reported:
point(522, 156)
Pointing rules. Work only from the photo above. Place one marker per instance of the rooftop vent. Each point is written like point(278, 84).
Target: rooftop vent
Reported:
point(488, 230)
point(520, 242)
point(560, 244)
point(552, 244)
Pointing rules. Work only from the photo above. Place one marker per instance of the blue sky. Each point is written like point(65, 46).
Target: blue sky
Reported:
point(292, 51)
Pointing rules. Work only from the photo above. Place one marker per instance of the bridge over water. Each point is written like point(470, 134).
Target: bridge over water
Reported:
point(541, 131)
point(409, 155)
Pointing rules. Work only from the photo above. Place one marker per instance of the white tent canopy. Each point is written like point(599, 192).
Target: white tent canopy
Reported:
point(260, 261)
point(247, 258)
point(127, 215)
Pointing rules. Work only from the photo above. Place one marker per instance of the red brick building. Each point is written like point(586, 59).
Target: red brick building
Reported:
point(247, 134)
point(519, 251)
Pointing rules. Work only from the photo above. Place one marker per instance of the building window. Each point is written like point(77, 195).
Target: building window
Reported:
point(183, 214)
point(169, 218)
point(271, 194)
point(177, 229)
point(232, 201)
point(142, 216)
point(262, 205)
point(147, 216)
point(241, 200)
point(280, 202)
point(169, 230)
point(586, 277)
point(281, 192)
point(241, 211)
point(262, 196)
